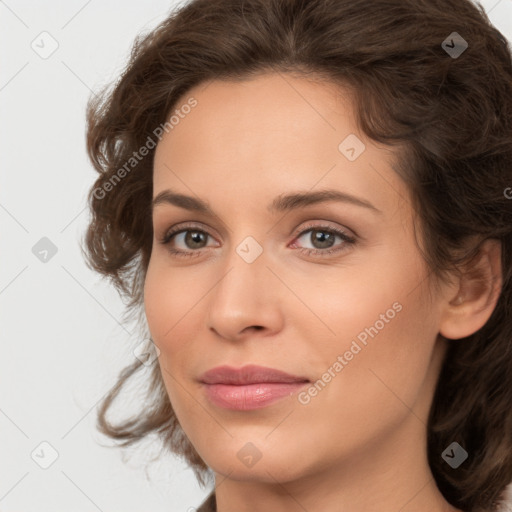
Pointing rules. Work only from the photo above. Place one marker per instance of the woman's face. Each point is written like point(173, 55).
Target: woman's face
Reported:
point(281, 288)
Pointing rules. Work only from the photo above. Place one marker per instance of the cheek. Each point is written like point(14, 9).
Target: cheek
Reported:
point(381, 326)
point(366, 301)
point(173, 302)
point(384, 385)
point(170, 303)
point(384, 364)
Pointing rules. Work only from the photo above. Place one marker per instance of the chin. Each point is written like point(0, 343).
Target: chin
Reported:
point(244, 463)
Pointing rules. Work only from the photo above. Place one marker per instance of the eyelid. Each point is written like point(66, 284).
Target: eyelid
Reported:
point(318, 223)
point(324, 224)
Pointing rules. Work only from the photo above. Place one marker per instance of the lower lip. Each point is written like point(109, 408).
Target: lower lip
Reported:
point(250, 396)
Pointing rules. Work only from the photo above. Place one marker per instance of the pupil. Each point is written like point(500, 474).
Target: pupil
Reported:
point(194, 236)
point(322, 237)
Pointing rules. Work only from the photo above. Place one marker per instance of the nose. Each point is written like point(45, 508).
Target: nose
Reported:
point(245, 300)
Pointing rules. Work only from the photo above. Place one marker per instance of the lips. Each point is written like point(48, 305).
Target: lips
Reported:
point(249, 374)
point(250, 387)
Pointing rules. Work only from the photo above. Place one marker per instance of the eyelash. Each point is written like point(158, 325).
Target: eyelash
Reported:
point(348, 240)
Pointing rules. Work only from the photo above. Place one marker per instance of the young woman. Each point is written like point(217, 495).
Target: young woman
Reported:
point(310, 203)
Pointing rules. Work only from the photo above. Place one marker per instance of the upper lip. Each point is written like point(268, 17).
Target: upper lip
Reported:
point(249, 374)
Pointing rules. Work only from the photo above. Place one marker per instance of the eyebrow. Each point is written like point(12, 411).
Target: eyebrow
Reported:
point(282, 203)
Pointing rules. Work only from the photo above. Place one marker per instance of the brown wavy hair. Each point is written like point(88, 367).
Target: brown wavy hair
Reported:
point(452, 114)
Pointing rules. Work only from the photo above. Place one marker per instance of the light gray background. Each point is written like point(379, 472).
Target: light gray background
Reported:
point(62, 341)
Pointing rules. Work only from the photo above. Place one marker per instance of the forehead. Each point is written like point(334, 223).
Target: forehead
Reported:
point(269, 134)
point(264, 110)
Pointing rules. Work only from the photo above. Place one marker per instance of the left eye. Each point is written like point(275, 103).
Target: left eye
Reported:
point(325, 238)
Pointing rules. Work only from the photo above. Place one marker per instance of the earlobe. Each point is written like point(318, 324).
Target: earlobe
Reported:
point(479, 289)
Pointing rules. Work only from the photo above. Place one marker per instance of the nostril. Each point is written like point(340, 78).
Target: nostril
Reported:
point(255, 327)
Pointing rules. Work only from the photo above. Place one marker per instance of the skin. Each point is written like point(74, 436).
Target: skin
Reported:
point(360, 443)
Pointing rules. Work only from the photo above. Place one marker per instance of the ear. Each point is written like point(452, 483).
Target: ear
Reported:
point(479, 287)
